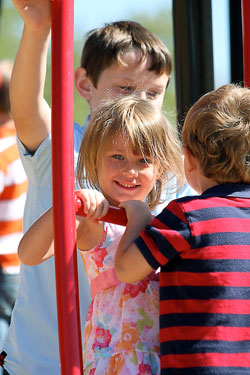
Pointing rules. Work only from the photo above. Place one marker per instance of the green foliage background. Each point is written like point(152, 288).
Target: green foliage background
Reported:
point(10, 33)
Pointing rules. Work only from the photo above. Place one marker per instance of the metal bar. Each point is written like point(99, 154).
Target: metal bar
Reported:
point(246, 40)
point(68, 312)
point(236, 47)
point(194, 74)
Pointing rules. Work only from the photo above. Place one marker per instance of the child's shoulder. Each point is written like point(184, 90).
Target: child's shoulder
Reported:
point(182, 205)
point(189, 203)
point(187, 198)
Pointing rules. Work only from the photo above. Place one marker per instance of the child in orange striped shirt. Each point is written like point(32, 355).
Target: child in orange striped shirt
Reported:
point(13, 186)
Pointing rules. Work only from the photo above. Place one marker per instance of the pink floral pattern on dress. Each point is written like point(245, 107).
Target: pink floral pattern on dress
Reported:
point(144, 369)
point(90, 312)
point(122, 326)
point(134, 289)
point(102, 338)
point(99, 255)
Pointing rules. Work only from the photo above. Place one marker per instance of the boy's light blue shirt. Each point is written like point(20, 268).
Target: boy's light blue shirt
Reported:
point(31, 343)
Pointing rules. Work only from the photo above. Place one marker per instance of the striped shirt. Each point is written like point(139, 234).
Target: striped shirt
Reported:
point(202, 244)
point(13, 186)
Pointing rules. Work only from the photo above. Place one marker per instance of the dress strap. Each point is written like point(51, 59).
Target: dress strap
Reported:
point(104, 280)
point(108, 278)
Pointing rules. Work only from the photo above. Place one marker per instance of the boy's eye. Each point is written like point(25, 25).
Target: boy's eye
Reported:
point(126, 89)
point(118, 157)
point(152, 94)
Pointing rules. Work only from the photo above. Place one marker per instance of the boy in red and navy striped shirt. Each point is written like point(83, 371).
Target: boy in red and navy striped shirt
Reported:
point(202, 244)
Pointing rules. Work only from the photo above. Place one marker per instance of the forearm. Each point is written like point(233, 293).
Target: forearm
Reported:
point(30, 111)
point(130, 265)
point(132, 232)
point(138, 216)
point(37, 244)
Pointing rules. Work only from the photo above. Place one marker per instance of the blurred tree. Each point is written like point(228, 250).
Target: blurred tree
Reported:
point(11, 29)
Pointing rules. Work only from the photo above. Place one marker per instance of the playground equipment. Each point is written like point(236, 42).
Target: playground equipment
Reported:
point(64, 201)
point(62, 44)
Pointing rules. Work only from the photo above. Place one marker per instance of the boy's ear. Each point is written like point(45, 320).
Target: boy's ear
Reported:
point(190, 160)
point(82, 83)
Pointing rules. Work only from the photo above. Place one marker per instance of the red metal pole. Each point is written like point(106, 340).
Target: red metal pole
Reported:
point(245, 5)
point(63, 187)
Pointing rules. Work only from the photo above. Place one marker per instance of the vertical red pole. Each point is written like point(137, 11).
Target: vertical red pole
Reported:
point(63, 187)
point(245, 5)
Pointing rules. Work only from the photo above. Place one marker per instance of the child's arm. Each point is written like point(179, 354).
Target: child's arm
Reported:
point(130, 265)
point(37, 244)
point(30, 111)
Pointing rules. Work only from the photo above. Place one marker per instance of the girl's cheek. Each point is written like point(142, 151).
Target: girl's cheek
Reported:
point(117, 164)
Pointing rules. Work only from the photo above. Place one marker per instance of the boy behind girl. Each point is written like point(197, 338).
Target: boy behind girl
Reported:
point(202, 244)
point(120, 58)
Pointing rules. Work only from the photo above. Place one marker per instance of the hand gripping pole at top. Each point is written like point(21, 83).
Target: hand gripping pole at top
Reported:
point(245, 5)
point(115, 215)
point(62, 54)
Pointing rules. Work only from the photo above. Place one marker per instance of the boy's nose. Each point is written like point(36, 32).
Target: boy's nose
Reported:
point(142, 94)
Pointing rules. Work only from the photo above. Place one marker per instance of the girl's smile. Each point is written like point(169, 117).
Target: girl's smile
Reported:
point(127, 186)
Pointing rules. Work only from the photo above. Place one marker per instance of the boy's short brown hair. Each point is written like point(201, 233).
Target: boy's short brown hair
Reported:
point(145, 128)
point(104, 47)
point(5, 75)
point(217, 132)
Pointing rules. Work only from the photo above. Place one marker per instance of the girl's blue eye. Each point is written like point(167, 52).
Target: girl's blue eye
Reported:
point(118, 157)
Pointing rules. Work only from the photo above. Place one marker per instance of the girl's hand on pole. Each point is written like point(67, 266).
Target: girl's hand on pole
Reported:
point(95, 205)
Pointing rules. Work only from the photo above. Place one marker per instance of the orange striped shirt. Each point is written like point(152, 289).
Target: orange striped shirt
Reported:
point(13, 187)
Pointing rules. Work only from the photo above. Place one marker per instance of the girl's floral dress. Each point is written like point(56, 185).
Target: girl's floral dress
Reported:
point(122, 327)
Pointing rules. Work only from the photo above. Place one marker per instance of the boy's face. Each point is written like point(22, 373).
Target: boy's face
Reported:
point(132, 78)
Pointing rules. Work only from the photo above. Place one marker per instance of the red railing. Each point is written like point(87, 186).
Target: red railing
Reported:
point(62, 49)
